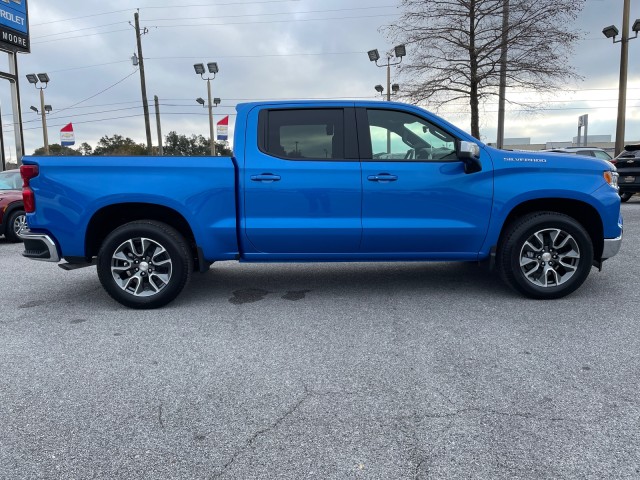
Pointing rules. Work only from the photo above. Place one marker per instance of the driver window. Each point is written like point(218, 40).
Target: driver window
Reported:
point(402, 136)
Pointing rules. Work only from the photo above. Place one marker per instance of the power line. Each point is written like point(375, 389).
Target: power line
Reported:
point(269, 21)
point(218, 24)
point(158, 7)
point(99, 93)
point(217, 17)
point(89, 66)
point(269, 14)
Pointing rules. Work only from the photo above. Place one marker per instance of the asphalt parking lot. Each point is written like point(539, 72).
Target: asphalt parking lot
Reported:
point(381, 371)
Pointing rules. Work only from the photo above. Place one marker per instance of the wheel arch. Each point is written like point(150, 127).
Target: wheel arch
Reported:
point(12, 207)
point(108, 218)
point(584, 213)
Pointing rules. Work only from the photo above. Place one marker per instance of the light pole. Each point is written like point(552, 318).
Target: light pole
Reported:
point(213, 69)
point(612, 32)
point(399, 52)
point(43, 78)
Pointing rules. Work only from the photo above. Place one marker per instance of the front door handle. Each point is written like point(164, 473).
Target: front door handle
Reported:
point(265, 178)
point(382, 178)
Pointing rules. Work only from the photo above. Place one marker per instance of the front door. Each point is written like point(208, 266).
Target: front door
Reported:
point(417, 198)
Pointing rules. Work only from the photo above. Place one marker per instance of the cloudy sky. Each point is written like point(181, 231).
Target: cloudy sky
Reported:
point(268, 49)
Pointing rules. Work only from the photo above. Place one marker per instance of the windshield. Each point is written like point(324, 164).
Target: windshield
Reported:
point(10, 181)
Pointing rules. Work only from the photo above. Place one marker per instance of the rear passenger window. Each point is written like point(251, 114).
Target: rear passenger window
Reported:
point(306, 134)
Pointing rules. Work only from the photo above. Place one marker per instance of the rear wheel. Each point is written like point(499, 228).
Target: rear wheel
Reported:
point(625, 196)
point(144, 264)
point(16, 224)
point(545, 255)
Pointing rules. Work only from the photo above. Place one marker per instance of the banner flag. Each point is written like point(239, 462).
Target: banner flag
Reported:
point(223, 128)
point(67, 137)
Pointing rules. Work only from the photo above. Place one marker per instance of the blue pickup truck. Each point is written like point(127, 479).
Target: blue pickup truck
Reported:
point(327, 182)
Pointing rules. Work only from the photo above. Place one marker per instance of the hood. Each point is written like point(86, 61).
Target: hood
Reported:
point(514, 158)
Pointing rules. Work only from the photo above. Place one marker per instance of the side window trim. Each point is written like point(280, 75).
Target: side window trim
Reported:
point(350, 143)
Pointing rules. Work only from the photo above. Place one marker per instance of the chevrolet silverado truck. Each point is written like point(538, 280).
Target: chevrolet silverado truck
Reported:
point(325, 182)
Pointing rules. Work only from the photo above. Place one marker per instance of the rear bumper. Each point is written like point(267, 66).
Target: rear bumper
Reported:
point(611, 247)
point(38, 246)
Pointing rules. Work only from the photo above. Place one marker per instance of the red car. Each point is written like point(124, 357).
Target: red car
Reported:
point(12, 217)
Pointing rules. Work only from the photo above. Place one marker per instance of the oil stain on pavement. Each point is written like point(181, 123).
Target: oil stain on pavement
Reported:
point(249, 295)
point(295, 295)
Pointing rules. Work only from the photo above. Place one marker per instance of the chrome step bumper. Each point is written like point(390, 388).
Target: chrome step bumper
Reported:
point(38, 246)
point(611, 247)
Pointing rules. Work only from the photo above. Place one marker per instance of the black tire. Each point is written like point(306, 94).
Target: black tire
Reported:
point(174, 264)
point(16, 219)
point(625, 196)
point(526, 272)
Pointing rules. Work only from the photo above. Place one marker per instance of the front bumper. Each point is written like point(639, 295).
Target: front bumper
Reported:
point(611, 247)
point(38, 246)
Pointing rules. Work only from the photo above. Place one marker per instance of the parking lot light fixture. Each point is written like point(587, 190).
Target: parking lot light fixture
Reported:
point(636, 26)
point(379, 88)
point(395, 88)
point(216, 101)
point(48, 108)
point(41, 82)
point(200, 100)
point(34, 109)
point(213, 70)
point(610, 32)
point(374, 55)
point(399, 52)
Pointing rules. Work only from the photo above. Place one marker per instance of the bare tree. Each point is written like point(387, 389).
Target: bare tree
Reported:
point(455, 48)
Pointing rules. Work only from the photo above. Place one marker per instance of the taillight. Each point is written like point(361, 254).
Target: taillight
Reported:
point(28, 172)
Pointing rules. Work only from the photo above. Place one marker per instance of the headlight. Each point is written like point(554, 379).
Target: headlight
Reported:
point(611, 178)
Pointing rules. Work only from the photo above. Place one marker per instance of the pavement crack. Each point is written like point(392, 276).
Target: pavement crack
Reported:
point(160, 421)
point(273, 426)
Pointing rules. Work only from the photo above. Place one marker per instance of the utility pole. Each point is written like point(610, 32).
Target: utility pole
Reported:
point(157, 104)
point(145, 103)
point(503, 73)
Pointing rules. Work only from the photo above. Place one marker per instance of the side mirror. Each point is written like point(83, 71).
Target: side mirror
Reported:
point(469, 153)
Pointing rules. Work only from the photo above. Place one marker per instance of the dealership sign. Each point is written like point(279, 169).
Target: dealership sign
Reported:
point(14, 26)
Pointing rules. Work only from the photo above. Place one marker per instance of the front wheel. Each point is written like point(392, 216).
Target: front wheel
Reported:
point(545, 255)
point(144, 264)
point(625, 196)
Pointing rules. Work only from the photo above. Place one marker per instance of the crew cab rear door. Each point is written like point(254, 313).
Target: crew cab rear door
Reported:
point(302, 184)
point(418, 199)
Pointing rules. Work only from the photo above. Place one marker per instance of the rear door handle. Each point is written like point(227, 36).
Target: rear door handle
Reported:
point(265, 178)
point(382, 177)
